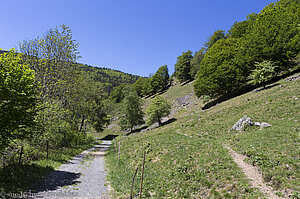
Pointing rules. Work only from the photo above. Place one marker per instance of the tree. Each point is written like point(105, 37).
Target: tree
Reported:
point(158, 108)
point(85, 103)
point(52, 57)
point(118, 93)
point(219, 74)
point(274, 36)
point(195, 62)
point(18, 102)
point(70, 99)
point(218, 34)
point(147, 87)
point(138, 86)
point(183, 66)
point(264, 72)
point(164, 73)
point(160, 79)
point(240, 29)
point(131, 112)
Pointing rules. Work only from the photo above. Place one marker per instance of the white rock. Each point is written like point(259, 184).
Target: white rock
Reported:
point(242, 122)
point(263, 124)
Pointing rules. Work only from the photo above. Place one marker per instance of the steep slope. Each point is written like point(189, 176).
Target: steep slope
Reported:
point(187, 157)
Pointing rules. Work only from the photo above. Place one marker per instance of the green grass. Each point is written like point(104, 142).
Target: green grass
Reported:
point(186, 159)
point(17, 178)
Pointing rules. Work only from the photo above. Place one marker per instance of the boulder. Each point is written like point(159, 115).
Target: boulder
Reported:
point(262, 125)
point(242, 122)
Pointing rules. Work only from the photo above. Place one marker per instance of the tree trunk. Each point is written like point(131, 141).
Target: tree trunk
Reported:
point(159, 122)
point(20, 157)
point(47, 149)
point(82, 123)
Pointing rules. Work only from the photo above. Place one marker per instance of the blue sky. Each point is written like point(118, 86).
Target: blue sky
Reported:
point(134, 36)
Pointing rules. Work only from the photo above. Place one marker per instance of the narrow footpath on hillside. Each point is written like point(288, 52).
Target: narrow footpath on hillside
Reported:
point(82, 177)
point(253, 174)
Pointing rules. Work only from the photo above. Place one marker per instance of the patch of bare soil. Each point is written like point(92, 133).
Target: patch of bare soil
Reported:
point(253, 174)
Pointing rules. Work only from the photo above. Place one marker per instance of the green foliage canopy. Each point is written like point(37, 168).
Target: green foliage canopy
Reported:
point(183, 66)
point(18, 103)
point(219, 74)
point(274, 35)
point(160, 79)
point(131, 112)
point(240, 29)
point(218, 34)
point(119, 92)
point(263, 73)
point(196, 61)
point(158, 108)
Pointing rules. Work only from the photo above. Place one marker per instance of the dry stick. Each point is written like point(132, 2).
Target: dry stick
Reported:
point(119, 151)
point(47, 148)
point(20, 157)
point(142, 175)
point(137, 168)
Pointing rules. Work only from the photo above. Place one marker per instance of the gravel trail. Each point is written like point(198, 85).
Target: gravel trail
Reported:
point(82, 177)
point(253, 174)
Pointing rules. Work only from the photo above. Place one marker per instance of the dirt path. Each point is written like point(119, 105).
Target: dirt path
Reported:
point(253, 174)
point(82, 177)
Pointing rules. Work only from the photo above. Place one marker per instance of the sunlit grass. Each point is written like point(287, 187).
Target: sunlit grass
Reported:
point(186, 158)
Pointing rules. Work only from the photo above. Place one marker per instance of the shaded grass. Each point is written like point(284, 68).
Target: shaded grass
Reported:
point(186, 158)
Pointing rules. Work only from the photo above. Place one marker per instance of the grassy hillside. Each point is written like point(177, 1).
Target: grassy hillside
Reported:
point(187, 158)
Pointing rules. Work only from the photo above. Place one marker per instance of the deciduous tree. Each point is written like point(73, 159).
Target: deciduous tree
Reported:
point(218, 34)
point(18, 102)
point(195, 62)
point(219, 74)
point(158, 108)
point(183, 66)
point(274, 36)
point(160, 79)
point(131, 112)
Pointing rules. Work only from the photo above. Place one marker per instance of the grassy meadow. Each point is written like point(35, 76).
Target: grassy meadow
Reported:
point(187, 158)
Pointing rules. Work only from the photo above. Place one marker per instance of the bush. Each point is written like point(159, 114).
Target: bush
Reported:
point(263, 73)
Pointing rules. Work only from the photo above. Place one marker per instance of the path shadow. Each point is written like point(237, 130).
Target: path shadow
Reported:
point(266, 88)
point(102, 147)
point(17, 177)
point(169, 121)
point(109, 137)
point(139, 129)
point(233, 95)
point(146, 126)
point(55, 180)
point(185, 83)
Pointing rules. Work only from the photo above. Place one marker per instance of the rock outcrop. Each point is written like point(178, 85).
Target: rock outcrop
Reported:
point(242, 122)
point(247, 121)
